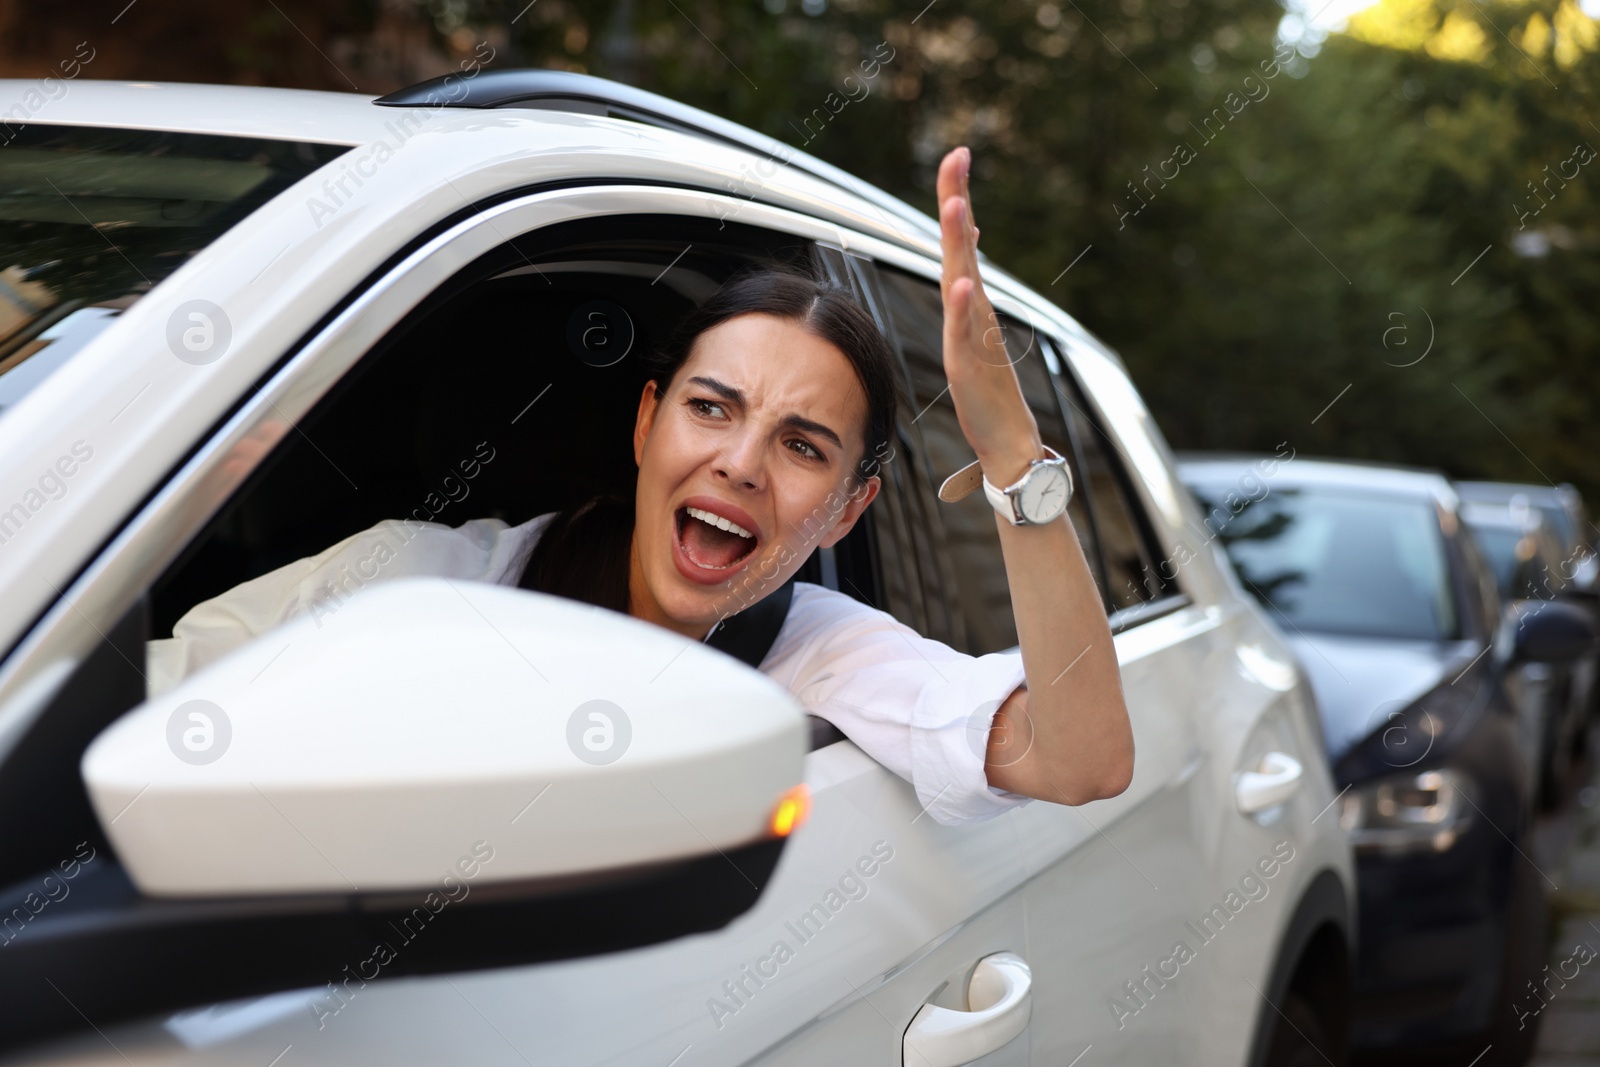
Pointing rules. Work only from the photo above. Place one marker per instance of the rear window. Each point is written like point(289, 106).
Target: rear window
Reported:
point(92, 219)
point(1326, 561)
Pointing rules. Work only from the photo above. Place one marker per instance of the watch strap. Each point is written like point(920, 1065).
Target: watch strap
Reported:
point(964, 482)
point(1003, 502)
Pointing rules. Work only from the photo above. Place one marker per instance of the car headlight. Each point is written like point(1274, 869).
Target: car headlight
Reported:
point(1423, 812)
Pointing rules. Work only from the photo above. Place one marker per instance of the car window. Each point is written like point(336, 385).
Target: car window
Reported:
point(1479, 593)
point(93, 218)
point(529, 417)
point(977, 579)
point(1342, 562)
point(1500, 546)
point(1132, 576)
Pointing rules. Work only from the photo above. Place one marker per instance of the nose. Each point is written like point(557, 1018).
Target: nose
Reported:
point(741, 461)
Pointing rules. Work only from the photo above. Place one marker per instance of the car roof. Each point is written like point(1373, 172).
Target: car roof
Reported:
point(355, 119)
point(1335, 473)
point(230, 110)
point(1498, 513)
point(1502, 492)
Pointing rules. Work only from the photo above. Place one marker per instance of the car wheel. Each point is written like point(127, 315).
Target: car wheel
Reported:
point(1300, 1036)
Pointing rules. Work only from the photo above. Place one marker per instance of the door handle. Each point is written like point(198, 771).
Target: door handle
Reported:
point(1275, 779)
point(999, 1005)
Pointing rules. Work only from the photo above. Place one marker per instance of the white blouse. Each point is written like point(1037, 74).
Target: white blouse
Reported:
point(915, 705)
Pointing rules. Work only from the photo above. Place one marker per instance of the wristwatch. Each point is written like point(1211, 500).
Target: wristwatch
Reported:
point(1038, 497)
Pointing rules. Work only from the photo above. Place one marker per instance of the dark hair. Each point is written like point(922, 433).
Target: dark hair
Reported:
point(584, 552)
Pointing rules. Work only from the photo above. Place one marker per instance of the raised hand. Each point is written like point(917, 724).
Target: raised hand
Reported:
point(1070, 718)
point(993, 415)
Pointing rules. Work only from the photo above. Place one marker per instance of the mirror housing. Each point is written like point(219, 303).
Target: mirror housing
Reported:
point(432, 730)
point(114, 952)
point(1548, 631)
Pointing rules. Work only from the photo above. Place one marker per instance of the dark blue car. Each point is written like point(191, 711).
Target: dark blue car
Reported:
point(1398, 622)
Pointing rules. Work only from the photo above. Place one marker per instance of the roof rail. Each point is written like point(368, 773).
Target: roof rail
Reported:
point(560, 90)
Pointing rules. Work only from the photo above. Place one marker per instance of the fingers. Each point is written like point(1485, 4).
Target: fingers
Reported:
point(951, 180)
point(957, 235)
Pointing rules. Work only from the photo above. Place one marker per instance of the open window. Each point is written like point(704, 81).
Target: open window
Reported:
point(511, 392)
point(508, 392)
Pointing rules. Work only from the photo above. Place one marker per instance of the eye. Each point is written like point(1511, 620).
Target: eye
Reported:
point(709, 408)
point(805, 448)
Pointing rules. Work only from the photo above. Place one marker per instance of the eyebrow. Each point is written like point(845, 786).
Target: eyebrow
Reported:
point(734, 396)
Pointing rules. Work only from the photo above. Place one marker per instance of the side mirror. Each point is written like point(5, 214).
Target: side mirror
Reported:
point(462, 775)
point(1548, 631)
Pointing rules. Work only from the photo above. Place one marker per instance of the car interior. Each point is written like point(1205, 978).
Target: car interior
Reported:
point(490, 376)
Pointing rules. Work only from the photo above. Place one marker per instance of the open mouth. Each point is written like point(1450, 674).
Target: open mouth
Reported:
point(712, 542)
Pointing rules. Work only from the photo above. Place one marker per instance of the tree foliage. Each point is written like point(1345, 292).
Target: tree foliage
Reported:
point(1384, 249)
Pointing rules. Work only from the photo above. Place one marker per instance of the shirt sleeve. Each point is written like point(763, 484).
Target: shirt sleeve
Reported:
point(479, 550)
point(915, 705)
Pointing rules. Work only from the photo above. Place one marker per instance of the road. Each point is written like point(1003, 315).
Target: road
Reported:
point(1566, 1007)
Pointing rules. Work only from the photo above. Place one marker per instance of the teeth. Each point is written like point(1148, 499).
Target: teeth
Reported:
point(720, 523)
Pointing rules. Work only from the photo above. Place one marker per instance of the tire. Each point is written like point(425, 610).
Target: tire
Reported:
point(1300, 1038)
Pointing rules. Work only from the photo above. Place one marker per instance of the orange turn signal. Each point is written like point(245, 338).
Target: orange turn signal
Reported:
point(791, 811)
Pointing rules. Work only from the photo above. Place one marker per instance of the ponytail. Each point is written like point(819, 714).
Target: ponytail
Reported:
point(584, 553)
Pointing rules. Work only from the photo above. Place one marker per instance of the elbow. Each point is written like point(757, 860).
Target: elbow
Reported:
point(1111, 778)
point(1118, 774)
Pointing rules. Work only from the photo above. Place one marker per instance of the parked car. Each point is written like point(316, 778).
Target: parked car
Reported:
point(1396, 619)
point(232, 307)
point(1564, 512)
point(1528, 559)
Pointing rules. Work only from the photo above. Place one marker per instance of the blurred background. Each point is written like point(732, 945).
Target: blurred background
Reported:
point(1364, 231)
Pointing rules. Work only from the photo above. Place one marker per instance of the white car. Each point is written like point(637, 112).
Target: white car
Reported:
point(238, 324)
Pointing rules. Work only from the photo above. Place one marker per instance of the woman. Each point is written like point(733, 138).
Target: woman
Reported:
point(758, 440)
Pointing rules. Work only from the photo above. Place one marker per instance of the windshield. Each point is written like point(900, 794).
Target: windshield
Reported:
point(92, 219)
point(1335, 561)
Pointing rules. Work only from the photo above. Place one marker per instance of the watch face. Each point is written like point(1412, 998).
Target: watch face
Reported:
point(1044, 495)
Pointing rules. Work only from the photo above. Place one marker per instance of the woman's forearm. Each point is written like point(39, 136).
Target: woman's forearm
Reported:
point(1066, 736)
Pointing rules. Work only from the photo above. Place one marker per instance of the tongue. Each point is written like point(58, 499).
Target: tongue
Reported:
point(710, 547)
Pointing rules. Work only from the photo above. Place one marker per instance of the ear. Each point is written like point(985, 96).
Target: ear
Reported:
point(644, 419)
point(855, 504)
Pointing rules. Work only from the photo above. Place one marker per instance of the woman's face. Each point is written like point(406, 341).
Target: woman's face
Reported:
point(760, 432)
